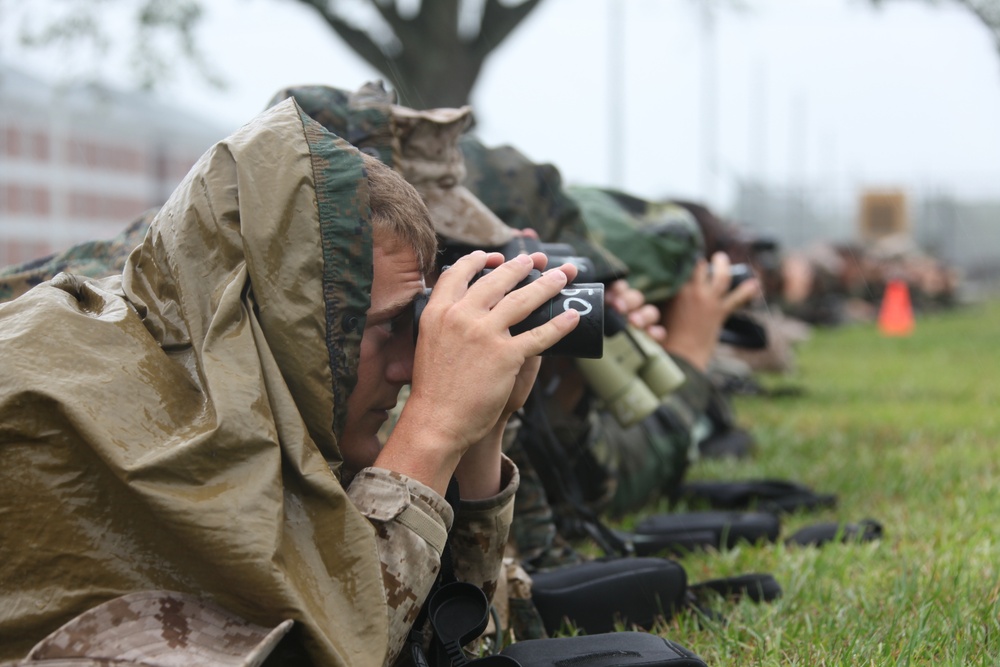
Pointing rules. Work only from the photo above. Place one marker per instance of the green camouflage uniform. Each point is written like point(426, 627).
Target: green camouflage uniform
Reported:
point(528, 195)
point(660, 244)
point(94, 259)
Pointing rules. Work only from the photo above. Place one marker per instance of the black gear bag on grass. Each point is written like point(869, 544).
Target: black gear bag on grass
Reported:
point(615, 649)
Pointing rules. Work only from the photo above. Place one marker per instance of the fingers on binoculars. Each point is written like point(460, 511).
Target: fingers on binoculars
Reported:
point(520, 302)
point(490, 289)
point(454, 282)
point(720, 277)
point(570, 270)
point(743, 294)
point(538, 339)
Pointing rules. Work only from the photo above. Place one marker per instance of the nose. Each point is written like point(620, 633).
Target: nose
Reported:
point(399, 369)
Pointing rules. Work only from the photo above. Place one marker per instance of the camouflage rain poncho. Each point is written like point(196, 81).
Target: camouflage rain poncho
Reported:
point(176, 427)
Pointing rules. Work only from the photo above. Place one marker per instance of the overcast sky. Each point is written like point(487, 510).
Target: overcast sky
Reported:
point(789, 92)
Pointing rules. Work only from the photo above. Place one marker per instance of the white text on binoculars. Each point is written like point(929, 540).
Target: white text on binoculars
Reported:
point(576, 303)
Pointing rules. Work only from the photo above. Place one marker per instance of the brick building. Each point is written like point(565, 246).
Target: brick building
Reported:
point(78, 163)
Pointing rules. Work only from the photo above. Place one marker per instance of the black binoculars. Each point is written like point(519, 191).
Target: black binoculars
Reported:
point(738, 274)
point(586, 341)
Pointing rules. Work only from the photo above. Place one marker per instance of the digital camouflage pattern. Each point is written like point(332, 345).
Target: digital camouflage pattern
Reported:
point(157, 629)
point(649, 460)
point(431, 161)
point(480, 532)
point(363, 117)
point(421, 145)
point(483, 532)
point(94, 259)
point(534, 533)
point(525, 194)
point(660, 243)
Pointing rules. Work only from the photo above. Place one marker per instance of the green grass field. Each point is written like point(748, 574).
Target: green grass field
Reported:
point(905, 431)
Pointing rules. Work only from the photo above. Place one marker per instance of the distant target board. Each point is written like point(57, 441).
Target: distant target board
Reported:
point(883, 213)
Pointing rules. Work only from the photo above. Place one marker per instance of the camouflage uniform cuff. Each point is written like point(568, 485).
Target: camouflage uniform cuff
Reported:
point(384, 495)
point(480, 534)
point(510, 479)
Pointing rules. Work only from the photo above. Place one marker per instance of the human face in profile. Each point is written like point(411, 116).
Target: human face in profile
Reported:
point(387, 349)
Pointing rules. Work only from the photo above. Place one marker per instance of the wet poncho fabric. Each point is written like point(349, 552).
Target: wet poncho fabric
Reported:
point(176, 427)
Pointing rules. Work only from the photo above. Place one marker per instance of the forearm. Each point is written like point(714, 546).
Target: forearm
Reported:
point(479, 472)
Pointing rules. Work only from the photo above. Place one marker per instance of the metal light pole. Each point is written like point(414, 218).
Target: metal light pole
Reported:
point(616, 93)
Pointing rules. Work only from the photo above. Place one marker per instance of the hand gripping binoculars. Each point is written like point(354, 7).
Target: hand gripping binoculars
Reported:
point(585, 341)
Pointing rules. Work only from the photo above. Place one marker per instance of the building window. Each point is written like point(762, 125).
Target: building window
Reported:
point(41, 202)
point(12, 141)
point(40, 146)
point(25, 200)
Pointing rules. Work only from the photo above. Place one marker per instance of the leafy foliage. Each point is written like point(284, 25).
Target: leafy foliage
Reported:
point(153, 32)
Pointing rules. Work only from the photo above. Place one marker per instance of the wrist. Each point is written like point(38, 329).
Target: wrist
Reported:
point(427, 455)
point(479, 470)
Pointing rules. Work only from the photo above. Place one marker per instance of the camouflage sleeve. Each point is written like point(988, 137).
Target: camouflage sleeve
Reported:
point(649, 460)
point(480, 533)
point(690, 401)
point(411, 525)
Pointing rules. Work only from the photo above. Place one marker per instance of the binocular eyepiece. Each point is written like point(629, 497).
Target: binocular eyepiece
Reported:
point(586, 341)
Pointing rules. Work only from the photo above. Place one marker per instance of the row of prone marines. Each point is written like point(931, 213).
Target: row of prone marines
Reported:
point(224, 442)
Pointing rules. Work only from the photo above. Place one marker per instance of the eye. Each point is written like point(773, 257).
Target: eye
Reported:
point(398, 324)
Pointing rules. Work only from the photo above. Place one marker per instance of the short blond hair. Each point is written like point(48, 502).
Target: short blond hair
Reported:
point(398, 213)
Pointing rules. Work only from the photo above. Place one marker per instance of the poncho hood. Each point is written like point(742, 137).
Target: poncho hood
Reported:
point(177, 427)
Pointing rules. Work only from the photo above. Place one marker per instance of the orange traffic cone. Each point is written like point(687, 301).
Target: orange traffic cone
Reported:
point(895, 317)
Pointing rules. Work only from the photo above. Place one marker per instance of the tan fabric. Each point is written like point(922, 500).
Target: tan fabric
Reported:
point(176, 428)
point(157, 629)
point(480, 530)
point(430, 160)
point(410, 559)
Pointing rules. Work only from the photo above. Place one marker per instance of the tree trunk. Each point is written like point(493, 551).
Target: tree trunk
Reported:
point(430, 64)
